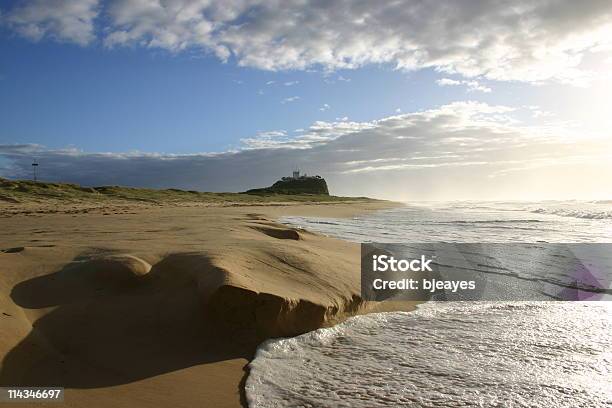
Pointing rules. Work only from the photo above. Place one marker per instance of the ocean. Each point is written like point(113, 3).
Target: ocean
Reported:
point(453, 354)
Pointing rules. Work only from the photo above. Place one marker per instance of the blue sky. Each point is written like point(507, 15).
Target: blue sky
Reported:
point(119, 100)
point(217, 84)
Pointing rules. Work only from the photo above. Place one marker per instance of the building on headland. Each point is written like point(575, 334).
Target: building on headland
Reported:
point(296, 176)
point(295, 184)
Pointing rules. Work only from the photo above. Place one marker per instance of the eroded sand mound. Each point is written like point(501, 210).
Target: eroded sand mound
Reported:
point(150, 303)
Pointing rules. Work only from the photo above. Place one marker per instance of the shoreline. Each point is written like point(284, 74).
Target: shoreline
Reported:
point(168, 277)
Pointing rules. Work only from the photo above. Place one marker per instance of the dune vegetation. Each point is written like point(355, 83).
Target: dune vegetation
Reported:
point(27, 191)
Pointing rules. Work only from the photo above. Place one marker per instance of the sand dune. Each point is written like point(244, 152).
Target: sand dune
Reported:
point(164, 307)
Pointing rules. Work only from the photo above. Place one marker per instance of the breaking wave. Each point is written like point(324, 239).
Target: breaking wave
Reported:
point(591, 214)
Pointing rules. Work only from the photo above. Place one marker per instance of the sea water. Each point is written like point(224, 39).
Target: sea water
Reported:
point(452, 354)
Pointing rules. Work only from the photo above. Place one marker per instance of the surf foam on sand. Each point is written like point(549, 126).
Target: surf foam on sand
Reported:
point(454, 354)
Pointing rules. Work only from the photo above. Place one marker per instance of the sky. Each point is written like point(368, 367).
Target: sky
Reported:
point(405, 100)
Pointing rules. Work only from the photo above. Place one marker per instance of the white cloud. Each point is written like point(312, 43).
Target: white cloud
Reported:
point(523, 40)
point(272, 133)
point(476, 86)
point(448, 82)
point(472, 85)
point(290, 99)
point(271, 138)
point(541, 114)
point(64, 20)
point(291, 83)
point(537, 112)
point(332, 80)
point(460, 150)
point(490, 39)
point(324, 107)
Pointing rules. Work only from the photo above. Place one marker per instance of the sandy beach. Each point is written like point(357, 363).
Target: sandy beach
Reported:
point(193, 195)
point(143, 306)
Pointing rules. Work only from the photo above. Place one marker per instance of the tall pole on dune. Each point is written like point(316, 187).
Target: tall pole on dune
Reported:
point(34, 166)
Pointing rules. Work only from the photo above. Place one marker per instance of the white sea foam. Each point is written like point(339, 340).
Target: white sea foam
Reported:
point(468, 354)
point(451, 355)
point(599, 210)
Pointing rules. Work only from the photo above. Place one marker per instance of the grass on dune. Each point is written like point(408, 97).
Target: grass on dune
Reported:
point(26, 191)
